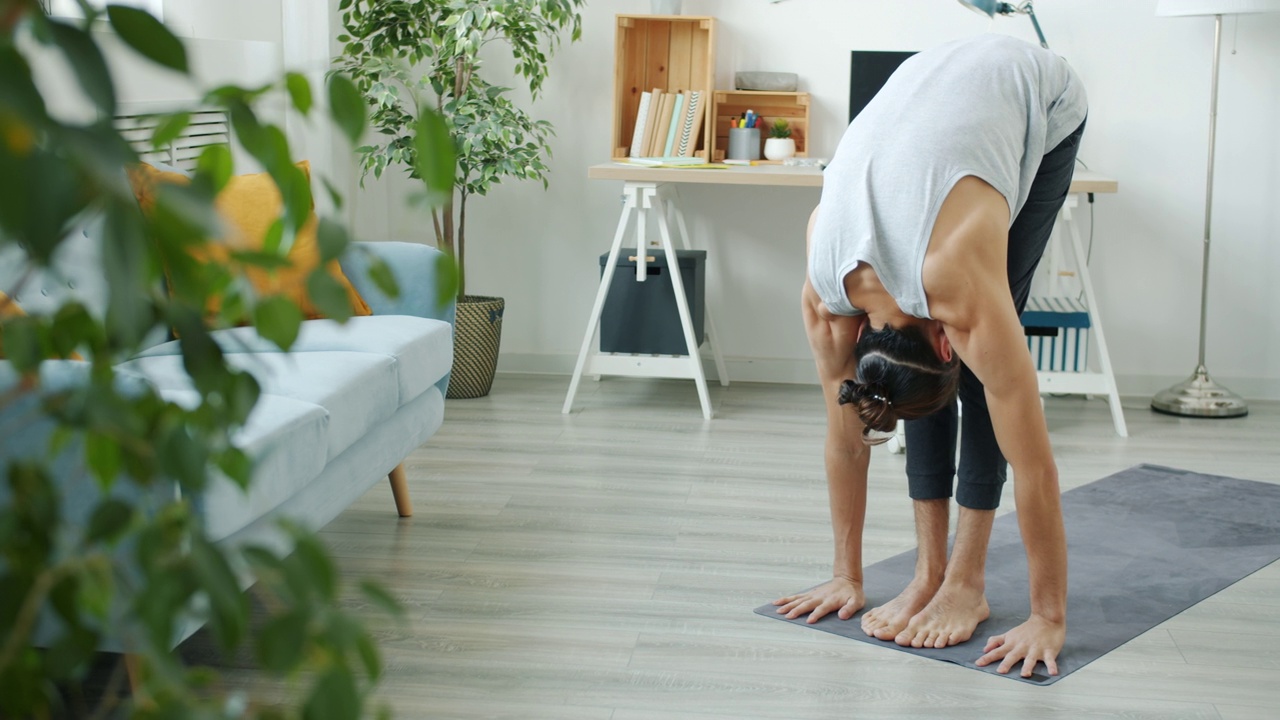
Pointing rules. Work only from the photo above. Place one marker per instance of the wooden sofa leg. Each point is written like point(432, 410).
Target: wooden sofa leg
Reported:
point(400, 491)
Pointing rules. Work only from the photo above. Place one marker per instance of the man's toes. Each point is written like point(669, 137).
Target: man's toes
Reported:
point(886, 633)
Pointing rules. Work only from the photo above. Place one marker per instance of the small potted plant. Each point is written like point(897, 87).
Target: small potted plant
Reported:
point(780, 144)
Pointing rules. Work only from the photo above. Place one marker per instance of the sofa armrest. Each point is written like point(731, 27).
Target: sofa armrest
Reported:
point(414, 267)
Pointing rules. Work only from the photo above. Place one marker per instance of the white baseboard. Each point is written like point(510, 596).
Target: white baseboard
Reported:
point(803, 372)
point(768, 370)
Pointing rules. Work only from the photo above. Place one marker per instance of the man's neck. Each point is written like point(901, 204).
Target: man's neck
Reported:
point(868, 294)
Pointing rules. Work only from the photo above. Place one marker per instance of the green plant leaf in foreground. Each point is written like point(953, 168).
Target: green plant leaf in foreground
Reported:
point(347, 106)
point(434, 155)
point(141, 31)
point(278, 320)
point(87, 62)
point(299, 92)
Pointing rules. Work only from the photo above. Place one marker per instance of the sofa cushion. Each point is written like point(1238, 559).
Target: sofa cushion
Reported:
point(422, 349)
point(249, 205)
point(286, 439)
point(357, 390)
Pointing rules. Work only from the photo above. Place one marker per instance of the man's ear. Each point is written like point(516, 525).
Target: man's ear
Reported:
point(945, 350)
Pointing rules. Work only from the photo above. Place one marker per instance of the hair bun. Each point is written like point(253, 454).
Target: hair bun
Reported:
point(874, 408)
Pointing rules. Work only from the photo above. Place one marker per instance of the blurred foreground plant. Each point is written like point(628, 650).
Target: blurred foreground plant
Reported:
point(141, 562)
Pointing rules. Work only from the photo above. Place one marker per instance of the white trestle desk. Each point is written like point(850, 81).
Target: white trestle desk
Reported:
point(650, 194)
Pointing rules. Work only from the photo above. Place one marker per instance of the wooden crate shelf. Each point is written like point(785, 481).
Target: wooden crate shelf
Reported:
point(730, 104)
point(674, 53)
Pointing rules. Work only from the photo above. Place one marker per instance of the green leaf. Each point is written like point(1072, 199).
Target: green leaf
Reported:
point(215, 162)
point(169, 129)
point(369, 656)
point(347, 106)
point(263, 259)
point(148, 36)
point(108, 520)
point(249, 131)
point(240, 397)
point(237, 466)
point(20, 340)
point(334, 195)
point(380, 597)
point(85, 59)
point(272, 241)
point(332, 238)
point(435, 161)
point(263, 560)
point(333, 697)
point(382, 276)
point(315, 561)
point(328, 295)
point(70, 652)
point(183, 458)
point(299, 91)
point(228, 608)
point(103, 456)
point(278, 320)
point(448, 279)
point(282, 642)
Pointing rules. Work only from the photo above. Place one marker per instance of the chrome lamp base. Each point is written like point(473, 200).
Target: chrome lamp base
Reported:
point(1199, 396)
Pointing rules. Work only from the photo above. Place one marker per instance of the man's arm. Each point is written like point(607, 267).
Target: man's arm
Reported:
point(832, 339)
point(994, 348)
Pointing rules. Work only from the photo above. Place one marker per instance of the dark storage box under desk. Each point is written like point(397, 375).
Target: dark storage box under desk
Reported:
point(642, 317)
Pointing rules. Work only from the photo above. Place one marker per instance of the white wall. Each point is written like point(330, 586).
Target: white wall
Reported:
point(1148, 82)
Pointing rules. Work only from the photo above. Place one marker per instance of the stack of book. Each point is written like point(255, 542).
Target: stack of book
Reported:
point(668, 124)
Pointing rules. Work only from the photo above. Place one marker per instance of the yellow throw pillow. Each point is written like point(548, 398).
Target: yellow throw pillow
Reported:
point(250, 204)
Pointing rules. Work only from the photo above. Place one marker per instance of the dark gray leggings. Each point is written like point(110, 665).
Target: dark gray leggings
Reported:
point(931, 441)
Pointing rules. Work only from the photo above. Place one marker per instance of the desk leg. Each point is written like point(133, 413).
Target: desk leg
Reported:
point(593, 321)
point(659, 204)
point(713, 336)
point(1104, 357)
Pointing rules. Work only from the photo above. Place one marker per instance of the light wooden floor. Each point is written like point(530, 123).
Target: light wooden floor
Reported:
point(604, 565)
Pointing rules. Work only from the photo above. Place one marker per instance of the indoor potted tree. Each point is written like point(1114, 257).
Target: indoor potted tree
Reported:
point(398, 52)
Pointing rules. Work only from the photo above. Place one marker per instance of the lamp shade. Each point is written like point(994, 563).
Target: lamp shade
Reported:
point(1173, 8)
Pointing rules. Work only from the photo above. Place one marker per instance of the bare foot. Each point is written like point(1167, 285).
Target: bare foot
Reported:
point(891, 618)
point(949, 619)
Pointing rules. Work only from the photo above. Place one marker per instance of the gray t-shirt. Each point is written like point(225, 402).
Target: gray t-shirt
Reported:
point(990, 106)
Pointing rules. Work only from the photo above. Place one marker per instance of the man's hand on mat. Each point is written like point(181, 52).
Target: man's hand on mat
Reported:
point(1036, 640)
point(841, 595)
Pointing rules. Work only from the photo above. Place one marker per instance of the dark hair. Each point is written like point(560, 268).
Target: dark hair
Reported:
point(899, 376)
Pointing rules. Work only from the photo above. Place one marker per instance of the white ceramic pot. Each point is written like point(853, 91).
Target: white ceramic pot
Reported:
point(779, 148)
point(664, 7)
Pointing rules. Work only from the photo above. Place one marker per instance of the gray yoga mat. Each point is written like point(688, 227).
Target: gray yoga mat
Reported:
point(1143, 544)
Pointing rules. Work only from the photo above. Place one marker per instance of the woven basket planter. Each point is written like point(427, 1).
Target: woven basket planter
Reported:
point(476, 337)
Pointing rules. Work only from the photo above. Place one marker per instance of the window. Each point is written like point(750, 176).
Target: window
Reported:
point(71, 8)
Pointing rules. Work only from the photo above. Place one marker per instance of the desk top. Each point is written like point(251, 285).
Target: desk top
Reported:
point(782, 175)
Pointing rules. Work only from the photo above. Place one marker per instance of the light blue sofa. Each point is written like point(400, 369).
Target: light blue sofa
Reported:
point(337, 414)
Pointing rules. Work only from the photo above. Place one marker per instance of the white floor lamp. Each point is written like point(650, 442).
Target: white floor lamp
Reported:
point(1199, 395)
